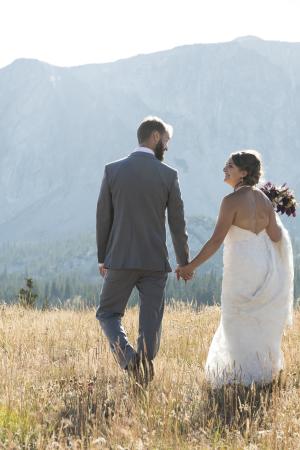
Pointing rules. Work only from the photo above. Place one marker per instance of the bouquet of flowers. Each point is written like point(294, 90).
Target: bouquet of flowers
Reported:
point(282, 198)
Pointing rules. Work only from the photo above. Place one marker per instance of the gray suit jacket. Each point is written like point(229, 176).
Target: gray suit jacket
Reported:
point(135, 193)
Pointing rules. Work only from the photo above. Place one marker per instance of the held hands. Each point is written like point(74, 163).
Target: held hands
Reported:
point(185, 272)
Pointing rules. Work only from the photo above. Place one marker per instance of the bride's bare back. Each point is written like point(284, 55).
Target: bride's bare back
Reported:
point(253, 211)
point(246, 208)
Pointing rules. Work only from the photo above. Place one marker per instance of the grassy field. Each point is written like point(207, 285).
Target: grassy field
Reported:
point(60, 388)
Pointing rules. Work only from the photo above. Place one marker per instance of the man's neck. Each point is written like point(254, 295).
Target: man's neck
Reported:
point(143, 148)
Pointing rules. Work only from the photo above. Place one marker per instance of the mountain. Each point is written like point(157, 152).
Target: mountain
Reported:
point(59, 126)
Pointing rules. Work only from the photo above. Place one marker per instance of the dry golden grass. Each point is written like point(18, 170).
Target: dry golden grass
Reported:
point(60, 388)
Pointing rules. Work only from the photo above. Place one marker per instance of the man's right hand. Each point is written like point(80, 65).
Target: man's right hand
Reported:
point(102, 270)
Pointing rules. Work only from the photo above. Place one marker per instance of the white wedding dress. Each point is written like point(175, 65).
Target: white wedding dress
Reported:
point(256, 305)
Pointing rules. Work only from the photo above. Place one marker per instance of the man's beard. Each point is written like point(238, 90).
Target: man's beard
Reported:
point(159, 151)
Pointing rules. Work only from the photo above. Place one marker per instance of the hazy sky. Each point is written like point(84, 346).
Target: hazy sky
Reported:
point(74, 32)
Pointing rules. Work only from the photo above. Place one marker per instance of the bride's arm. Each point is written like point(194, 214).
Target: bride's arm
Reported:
point(273, 229)
point(224, 221)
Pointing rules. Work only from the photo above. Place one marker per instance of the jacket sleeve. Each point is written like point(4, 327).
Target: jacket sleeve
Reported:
point(177, 223)
point(104, 218)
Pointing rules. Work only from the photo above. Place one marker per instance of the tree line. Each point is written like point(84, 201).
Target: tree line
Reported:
point(203, 289)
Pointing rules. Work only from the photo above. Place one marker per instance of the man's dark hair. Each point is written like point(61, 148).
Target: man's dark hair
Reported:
point(150, 124)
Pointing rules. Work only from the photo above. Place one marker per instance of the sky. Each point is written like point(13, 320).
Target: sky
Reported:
point(76, 32)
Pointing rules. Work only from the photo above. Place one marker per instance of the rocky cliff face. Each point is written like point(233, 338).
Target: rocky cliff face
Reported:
point(59, 126)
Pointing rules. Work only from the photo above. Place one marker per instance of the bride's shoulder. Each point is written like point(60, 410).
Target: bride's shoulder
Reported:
point(232, 200)
point(228, 201)
point(260, 193)
point(229, 198)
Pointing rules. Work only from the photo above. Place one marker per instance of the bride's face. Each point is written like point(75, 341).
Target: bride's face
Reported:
point(233, 174)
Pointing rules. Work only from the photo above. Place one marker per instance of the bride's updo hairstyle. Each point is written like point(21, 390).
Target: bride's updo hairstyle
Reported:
point(251, 162)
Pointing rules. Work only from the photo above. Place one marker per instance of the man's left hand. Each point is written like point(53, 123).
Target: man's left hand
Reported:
point(186, 274)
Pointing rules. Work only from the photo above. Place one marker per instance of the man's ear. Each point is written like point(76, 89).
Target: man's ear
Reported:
point(156, 136)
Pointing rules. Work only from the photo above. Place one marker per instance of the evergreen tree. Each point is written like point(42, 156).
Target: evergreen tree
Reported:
point(27, 298)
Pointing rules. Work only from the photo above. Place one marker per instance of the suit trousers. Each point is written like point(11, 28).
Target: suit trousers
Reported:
point(116, 290)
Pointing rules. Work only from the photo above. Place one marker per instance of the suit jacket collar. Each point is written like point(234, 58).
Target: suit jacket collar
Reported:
point(142, 155)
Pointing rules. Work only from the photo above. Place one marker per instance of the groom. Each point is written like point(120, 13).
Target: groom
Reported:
point(135, 193)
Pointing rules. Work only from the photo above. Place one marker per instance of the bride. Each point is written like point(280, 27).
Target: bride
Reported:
point(257, 287)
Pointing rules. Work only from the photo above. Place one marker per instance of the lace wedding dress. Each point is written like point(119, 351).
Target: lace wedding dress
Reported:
point(256, 305)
